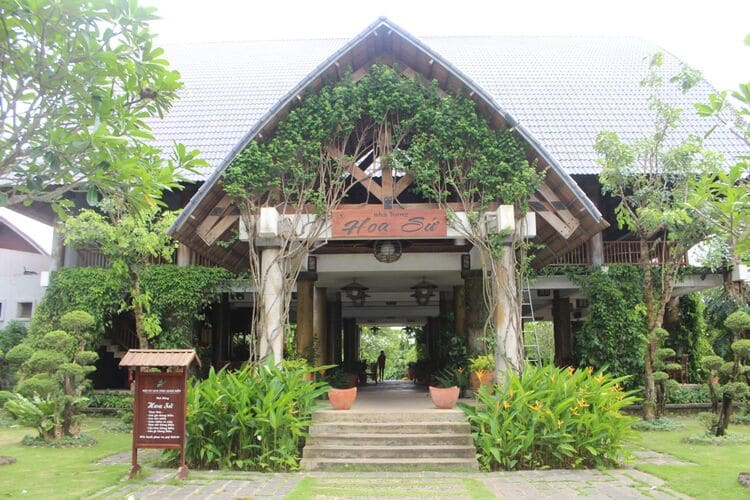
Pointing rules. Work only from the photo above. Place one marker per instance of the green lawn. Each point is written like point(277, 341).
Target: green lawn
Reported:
point(714, 474)
point(60, 472)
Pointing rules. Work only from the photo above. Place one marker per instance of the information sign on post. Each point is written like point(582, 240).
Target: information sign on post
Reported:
point(160, 400)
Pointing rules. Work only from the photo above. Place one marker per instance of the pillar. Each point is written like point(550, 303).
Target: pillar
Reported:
point(562, 330)
point(509, 351)
point(57, 259)
point(597, 249)
point(334, 330)
point(221, 330)
point(320, 326)
point(459, 312)
point(272, 280)
point(183, 255)
point(305, 300)
point(474, 311)
point(350, 326)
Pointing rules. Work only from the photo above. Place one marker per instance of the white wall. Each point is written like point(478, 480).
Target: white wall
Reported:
point(17, 287)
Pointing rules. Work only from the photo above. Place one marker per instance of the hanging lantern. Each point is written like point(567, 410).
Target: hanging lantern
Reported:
point(387, 251)
point(423, 291)
point(356, 293)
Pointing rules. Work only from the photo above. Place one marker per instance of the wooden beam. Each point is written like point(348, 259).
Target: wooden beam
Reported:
point(560, 207)
point(547, 212)
point(214, 215)
point(386, 179)
point(401, 185)
point(220, 228)
point(367, 182)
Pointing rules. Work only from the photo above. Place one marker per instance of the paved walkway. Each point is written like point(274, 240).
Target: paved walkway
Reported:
point(393, 396)
point(558, 484)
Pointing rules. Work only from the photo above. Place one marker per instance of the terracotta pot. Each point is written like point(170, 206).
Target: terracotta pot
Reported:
point(444, 398)
point(480, 378)
point(342, 399)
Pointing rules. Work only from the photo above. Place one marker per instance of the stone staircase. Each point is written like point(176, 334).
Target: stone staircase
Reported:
point(414, 439)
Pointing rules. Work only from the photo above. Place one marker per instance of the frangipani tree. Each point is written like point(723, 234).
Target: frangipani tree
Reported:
point(651, 177)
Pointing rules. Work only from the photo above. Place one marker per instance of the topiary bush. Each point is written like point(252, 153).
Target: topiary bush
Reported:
point(53, 369)
point(255, 418)
point(550, 417)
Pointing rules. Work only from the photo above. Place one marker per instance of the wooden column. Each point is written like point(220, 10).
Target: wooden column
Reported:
point(221, 330)
point(474, 305)
point(334, 330)
point(459, 312)
point(320, 327)
point(350, 327)
point(597, 249)
point(183, 255)
point(305, 315)
point(562, 330)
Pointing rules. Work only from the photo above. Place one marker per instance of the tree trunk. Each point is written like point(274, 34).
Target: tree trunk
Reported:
point(726, 411)
point(649, 406)
point(509, 351)
point(661, 399)
point(138, 312)
point(714, 397)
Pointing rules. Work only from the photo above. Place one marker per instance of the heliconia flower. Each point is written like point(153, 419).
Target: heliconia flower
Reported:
point(571, 370)
point(590, 369)
point(506, 405)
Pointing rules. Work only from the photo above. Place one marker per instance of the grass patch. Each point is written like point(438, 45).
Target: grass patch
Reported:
point(477, 490)
point(714, 474)
point(60, 472)
point(662, 424)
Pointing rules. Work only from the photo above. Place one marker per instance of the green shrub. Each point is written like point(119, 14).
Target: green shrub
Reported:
point(4, 397)
point(118, 401)
point(551, 417)
point(482, 363)
point(255, 418)
point(681, 394)
point(40, 384)
point(659, 424)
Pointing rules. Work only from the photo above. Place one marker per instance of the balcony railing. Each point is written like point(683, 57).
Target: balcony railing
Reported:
point(615, 252)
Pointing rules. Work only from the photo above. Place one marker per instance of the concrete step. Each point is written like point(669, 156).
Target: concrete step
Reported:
point(346, 428)
point(396, 439)
point(369, 452)
point(338, 416)
point(410, 464)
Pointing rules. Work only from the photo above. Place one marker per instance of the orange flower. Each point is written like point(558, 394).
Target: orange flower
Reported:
point(506, 405)
point(574, 411)
point(571, 370)
point(582, 403)
point(511, 392)
point(599, 378)
point(617, 388)
point(559, 423)
point(590, 369)
point(536, 406)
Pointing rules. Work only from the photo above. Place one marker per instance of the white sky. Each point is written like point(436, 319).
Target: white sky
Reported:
point(708, 35)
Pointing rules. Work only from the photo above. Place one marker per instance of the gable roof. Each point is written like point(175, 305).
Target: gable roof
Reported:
point(385, 41)
point(563, 90)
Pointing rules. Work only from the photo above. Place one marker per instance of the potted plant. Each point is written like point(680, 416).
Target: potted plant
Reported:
point(445, 388)
point(482, 370)
point(342, 393)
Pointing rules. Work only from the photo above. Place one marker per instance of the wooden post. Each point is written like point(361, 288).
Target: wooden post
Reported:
point(562, 330)
point(183, 255)
point(320, 326)
point(459, 312)
point(350, 325)
point(334, 334)
point(305, 301)
point(597, 249)
point(474, 306)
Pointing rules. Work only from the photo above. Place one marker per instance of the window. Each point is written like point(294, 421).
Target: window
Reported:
point(24, 310)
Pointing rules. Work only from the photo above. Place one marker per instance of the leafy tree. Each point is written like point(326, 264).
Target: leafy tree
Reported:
point(734, 373)
point(10, 336)
point(131, 241)
point(651, 178)
point(53, 368)
point(722, 196)
point(398, 345)
point(78, 80)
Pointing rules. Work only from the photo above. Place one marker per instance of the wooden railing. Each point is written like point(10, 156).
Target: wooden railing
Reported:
point(125, 337)
point(615, 252)
point(95, 258)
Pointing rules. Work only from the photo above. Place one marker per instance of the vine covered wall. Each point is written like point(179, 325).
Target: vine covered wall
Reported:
point(614, 333)
point(179, 298)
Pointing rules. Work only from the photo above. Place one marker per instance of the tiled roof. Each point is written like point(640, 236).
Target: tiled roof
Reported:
point(159, 357)
point(564, 90)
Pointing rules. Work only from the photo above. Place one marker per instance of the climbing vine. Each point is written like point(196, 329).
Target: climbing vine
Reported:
point(180, 296)
point(409, 124)
point(614, 333)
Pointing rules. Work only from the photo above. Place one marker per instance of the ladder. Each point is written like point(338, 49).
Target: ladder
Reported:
point(532, 350)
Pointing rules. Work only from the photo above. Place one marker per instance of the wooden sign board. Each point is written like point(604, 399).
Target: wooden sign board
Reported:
point(379, 223)
point(159, 419)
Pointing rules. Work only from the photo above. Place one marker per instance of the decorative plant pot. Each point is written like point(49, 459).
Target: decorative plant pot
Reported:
point(342, 399)
point(444, 398)
point(480, 378)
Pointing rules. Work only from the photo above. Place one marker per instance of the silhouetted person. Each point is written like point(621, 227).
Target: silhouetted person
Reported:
point(381, 365)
